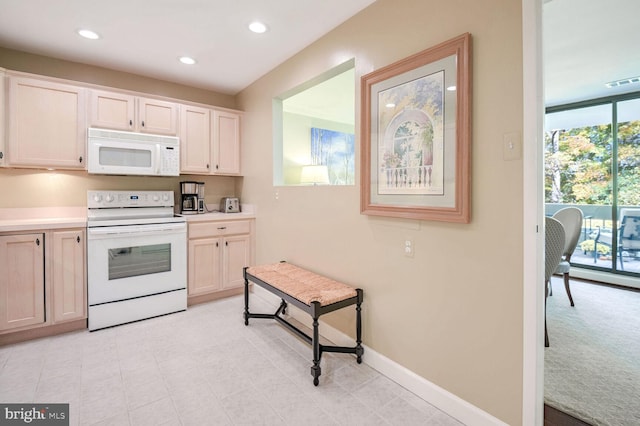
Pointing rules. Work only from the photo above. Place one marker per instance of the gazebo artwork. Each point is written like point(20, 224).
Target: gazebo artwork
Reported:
point(410, 152)
point(335, 150)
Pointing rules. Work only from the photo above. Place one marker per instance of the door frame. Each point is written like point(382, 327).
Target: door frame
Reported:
point(533, 213)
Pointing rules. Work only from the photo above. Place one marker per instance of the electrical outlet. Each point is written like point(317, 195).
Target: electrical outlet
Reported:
point(408, 247)
point(276, 195)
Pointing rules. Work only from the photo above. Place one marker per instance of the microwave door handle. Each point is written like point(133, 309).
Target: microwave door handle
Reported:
point(158, 158)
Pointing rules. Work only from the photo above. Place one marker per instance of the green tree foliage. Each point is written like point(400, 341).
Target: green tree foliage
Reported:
point(578, 165)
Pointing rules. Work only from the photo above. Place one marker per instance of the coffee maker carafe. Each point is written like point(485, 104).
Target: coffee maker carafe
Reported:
point(189, 198)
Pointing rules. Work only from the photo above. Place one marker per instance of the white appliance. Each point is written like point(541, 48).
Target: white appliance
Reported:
point(136, 257)
point(127, 153)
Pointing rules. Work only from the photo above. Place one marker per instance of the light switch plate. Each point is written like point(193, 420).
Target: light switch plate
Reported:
point(512, 146)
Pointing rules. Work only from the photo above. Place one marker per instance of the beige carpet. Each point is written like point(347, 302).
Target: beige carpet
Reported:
point(592, 368)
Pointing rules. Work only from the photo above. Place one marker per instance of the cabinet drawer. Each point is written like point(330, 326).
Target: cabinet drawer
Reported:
point(215, 229)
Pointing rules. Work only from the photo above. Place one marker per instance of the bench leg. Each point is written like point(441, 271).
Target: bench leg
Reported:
point(359, 348)
point(315, 369)
point(246, 298)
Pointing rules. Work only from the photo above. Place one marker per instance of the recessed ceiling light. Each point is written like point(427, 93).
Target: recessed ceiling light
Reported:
point(257, 27)
point(89, 34)
point(187, 60)
point(451, 88)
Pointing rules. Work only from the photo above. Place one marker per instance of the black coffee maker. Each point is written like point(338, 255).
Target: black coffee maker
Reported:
point(189, 196)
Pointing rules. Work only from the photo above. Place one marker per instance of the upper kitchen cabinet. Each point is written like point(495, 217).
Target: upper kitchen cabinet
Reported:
point(209, 141)
point(46, 121)
point(195, 140)
point(226, 143)
point(120, 111)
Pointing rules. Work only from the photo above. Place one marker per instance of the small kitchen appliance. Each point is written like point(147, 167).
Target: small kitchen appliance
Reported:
point(230, 205)
point(189, 193)
point(201, 206)
point(136, 257)
point(112, 152)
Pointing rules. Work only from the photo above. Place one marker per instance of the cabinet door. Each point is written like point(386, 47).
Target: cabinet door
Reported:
point(47, 124)
point(110, 110)
point(68, 274)
point(158, 117)
point(21, 280)
point(226, 142)
point(3, 132)
point(195, 140)
point(204, 265)
point(237, 252)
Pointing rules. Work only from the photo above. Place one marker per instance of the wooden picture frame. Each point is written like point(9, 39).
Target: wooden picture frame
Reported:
point(416, 135)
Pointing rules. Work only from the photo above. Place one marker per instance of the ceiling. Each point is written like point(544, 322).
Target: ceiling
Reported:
point(147, 37)
point(585, 43)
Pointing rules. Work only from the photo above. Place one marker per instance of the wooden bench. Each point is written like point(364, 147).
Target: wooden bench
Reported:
point(313, 294)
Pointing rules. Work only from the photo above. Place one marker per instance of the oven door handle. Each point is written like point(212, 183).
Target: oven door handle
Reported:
point(146, 230)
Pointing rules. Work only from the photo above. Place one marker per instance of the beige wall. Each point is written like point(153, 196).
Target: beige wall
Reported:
point(452, 313)
point(26, 62)
point(43, 188)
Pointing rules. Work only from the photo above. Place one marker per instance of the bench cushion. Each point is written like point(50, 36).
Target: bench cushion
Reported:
point(306, 286)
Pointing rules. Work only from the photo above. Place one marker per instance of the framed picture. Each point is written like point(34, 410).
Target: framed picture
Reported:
point(336, 151)
point(416, 135)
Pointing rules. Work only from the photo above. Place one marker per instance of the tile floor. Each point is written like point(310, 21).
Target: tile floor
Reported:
point(203, 367)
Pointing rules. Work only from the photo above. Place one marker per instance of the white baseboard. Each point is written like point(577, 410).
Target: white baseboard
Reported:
point(449, 403)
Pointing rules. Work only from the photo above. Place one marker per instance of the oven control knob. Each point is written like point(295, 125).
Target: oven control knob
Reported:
point(109, 198)
point(97, 198)
point(155, 197)
point(165, 197)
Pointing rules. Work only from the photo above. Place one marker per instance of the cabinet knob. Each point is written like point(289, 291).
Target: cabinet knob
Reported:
point(222, 227)
point(37, 241)
point(142, 123)
point(80, 159)
point(1, 155)
point(216, 244)
point(226, 243)
point(216, 167)
point(208, 167)
point(78, 238)
point(130, 122)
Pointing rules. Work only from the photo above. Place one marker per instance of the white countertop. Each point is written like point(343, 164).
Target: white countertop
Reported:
point(41, 218)
point(247, 211)
point(218, 216)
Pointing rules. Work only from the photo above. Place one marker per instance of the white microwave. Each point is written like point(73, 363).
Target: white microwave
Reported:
point(112, 152)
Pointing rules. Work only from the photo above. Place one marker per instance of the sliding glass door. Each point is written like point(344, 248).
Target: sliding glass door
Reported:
point(592, 161)
point(628, 185)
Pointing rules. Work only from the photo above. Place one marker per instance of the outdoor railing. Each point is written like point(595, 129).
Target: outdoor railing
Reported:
point(595, 246)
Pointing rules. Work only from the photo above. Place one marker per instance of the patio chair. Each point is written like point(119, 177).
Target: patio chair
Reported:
point(553, 246)
point(629, 239)
point(571, 220)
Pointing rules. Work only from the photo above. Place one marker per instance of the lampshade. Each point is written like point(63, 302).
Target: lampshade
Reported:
point(315, 175)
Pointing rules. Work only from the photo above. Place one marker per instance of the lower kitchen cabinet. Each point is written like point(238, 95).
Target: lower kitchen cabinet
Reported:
point(21, 281)
point(68, 275)
point(42, 284)
point(218, 253)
